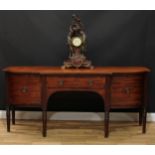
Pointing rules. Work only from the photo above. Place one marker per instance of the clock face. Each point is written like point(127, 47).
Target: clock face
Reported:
point(76, 41)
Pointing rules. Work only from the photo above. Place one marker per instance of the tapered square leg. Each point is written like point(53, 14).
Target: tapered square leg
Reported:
point(8, 117)
point(106, 124)
point(140, 116)
point(144, 121)
point(107, 100)
point(44, 119)
point(145, 103)
point(13, 115)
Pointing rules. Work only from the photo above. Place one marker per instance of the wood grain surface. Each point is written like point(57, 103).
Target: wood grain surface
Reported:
point(59, 70)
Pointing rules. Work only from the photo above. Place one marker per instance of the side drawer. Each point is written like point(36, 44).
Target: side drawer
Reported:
point(24, 89)
point(127, 91)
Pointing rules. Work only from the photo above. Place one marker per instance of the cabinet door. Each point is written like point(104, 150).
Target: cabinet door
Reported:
point(127, 91)
point(24, 89)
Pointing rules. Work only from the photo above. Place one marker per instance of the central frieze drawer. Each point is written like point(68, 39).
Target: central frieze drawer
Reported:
point(74, 82)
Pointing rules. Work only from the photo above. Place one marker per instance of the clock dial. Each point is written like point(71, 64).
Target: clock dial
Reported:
point(76, 41)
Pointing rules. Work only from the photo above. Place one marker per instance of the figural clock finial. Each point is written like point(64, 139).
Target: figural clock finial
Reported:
point(77, 45)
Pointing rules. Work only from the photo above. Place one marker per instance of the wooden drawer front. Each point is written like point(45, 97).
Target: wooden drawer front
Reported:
point(24, 89)
point(74, 82)
point(127, 91)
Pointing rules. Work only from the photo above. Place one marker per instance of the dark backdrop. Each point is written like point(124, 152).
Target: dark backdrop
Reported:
point(114, 38)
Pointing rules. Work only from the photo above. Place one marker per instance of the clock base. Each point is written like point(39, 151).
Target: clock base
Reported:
point(77, 61)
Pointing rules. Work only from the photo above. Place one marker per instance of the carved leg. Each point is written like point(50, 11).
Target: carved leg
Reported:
point(140, 116)
point(106, 124)
point(13, 115)
point(44, 118)
point(8, 117)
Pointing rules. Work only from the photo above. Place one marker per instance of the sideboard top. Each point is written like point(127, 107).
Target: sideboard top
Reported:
point(59, 70)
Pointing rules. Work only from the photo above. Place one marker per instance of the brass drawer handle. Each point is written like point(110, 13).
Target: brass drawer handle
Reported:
point(90, 82)
point(127, 90)
point(61, 82)
point(24, 89)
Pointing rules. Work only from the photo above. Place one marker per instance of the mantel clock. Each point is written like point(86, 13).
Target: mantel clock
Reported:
point(76, 41)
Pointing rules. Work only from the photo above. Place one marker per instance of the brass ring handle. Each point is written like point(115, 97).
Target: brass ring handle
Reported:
point(24, 89)
point(90, 82)
point(61, 82)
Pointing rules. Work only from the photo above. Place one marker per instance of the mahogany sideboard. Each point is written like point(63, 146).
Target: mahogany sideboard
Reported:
point(119, 87)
